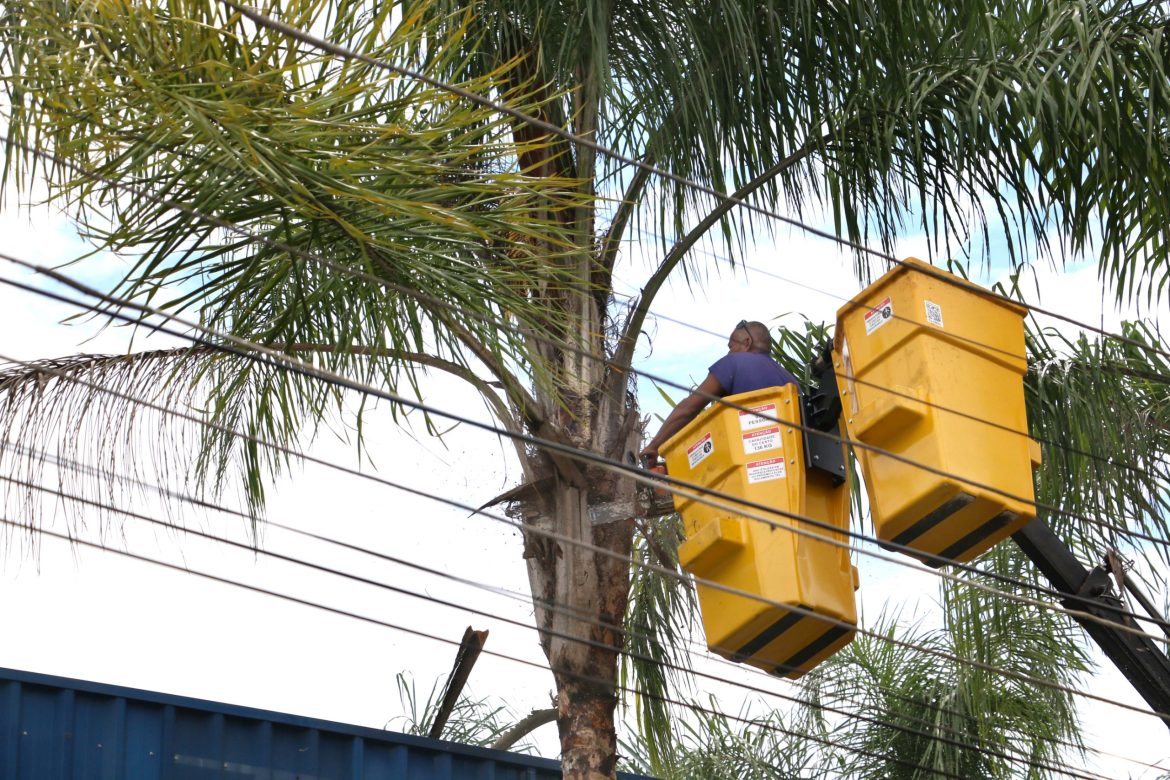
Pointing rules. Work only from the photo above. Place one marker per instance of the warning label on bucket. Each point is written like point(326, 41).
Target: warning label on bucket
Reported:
point(879, 315)
point(750, 418)
point(765, 470)
point(698, 452)
point(758, 441)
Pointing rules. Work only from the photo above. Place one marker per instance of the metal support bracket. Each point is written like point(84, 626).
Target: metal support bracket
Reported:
point(1142, 660)
point(820, 409)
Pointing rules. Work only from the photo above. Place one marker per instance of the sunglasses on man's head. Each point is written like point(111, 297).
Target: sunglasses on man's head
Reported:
point(743, 325)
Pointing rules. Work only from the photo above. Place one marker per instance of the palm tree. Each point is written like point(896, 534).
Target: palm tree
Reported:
point(465, 240)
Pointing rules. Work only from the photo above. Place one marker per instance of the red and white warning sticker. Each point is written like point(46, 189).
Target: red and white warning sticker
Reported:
point(700, 450)
point(750, 419)
point(879, 315)
point(759, 441)
point(766, 470)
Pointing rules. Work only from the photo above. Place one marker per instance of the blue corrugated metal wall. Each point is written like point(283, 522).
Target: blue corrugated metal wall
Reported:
point(52, 728)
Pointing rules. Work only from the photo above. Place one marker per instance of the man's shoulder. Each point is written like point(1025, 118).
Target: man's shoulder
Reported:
point(760, 359)
point(730, 359)
point(745, 357)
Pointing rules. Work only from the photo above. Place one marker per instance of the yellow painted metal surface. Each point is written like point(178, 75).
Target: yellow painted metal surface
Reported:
point(933, 372)
point(763, 461)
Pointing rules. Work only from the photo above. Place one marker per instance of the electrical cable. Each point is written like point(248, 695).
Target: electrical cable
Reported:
point(1153, 376)
point(672, 483)
point(424, 635)
point(490, 615)
point(359, 274)
point(722, 401)
point(639, 476)
point(270, 353)
point(694, 648)
point(461, 506)
point(444, 304)
point(1117, 529)
point(348, 54)
point(756, 597)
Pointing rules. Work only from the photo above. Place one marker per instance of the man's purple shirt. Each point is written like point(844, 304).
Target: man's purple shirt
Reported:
point(742, 372)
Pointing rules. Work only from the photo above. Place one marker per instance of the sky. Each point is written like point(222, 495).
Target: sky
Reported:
point(79, 612)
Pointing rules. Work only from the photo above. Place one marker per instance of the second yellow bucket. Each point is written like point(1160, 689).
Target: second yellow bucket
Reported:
point(930, 368)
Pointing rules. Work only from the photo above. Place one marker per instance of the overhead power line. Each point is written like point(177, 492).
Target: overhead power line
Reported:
point(720, 499)
point(430, 598)
point(792, 608)
point(789, 423)
point(444, 304)
point(503, 656)
point(431, 300)
point(896, 261)
point(751, 509)
point(693, 648)
point(345, 53)
point(491, 615)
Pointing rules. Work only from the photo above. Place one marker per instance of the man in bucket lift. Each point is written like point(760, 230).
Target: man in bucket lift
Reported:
point(747, 366)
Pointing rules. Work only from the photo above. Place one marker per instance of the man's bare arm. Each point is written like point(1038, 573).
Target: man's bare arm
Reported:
point(687, 410)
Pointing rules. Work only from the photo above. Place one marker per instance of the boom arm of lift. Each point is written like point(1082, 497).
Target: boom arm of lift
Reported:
point(1105, 618)
point(1142, 660)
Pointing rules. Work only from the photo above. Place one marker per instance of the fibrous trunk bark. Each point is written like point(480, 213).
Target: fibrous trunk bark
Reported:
point(579, 571)
point(579, 526)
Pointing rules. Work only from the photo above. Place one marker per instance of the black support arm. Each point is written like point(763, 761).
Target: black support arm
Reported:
point(1140, 659)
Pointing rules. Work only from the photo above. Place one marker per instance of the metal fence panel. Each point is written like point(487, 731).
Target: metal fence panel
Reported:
point(53, 728)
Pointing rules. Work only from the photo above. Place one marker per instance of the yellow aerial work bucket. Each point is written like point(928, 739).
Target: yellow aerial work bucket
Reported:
point(930, 368)
point(763, 461)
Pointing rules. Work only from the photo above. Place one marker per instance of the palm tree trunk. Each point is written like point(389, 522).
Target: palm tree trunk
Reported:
point(586, 724)
point(580, 595)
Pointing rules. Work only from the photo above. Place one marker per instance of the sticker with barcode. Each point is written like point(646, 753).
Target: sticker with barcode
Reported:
point(934, 314)
point(766, 470)
point(879, 315)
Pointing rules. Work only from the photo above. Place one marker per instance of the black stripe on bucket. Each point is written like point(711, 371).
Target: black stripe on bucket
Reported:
point(799, 659)
point(769, 634)
point(976, 536)
point(933, 518)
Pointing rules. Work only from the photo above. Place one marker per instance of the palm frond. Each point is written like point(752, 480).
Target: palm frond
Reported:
point(127, 109)
point(658, 625)
point(207, 423)
point(1102, 409)
point(144, 105)
point(920, 717)
point(472, 721)
point(96, 410)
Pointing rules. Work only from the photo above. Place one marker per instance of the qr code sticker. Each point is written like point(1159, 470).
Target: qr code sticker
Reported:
point(934, 314)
